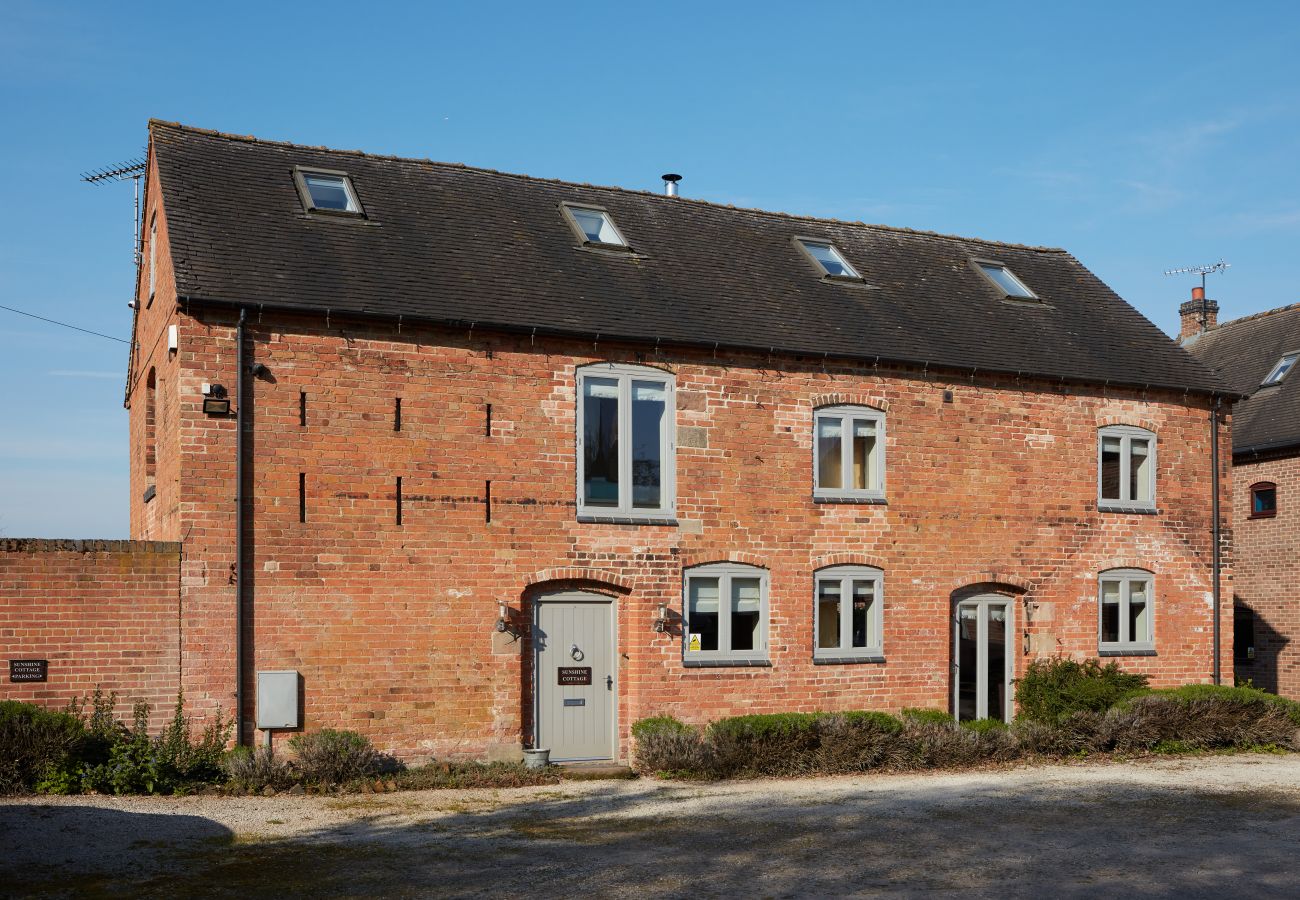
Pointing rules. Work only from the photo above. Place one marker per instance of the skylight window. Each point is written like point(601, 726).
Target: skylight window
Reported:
point(829, 260)
point(327, 191)
point(595, 226)
point(1284, 365)
point(1001, 276)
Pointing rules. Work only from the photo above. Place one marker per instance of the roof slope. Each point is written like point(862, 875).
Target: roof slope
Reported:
point(1243, 352)
point(445, 242)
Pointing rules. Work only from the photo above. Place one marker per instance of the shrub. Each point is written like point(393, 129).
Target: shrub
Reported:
point(927, 714)
point(334, 757)
point(855, 741)
point(927, 742)
point(1199, 717)
point(1051, 689)
point(473, 775)
point(774, 744)
point(255, 770)
point(984, 725)
point(1078, 732)
point(36, 745)
point(669, 747)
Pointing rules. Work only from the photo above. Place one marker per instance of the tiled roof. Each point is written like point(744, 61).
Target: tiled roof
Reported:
point(1243, 352)
point(450, 243)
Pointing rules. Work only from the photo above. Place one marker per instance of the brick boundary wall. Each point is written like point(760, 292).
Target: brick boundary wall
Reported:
point(103, 613)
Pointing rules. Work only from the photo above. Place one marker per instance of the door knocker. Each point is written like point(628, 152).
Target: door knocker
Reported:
point(576, 653)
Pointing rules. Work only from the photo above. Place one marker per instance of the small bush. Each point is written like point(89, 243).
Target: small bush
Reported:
point(36, 746)
point(927, 714)
point(926, 743)
point(255, 770)
point(1055, 688)
point(1073, 734)
point(775, 744)
point(984, 725)
point(666, 746)
point(334, 757)
point(473, 775)
point(1199, 717)
point(855, 741)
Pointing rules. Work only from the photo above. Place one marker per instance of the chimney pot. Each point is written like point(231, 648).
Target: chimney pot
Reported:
point(670, 183)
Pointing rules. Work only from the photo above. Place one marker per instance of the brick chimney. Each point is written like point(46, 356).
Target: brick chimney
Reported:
point(1198, 314)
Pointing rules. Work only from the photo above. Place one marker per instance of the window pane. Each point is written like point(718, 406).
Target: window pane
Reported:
point(828, 614)
point(829, 439)
point(600, 441)
point(1110, 447)
point(1264, 500)
point(703, 612)
point(596, 226)
point(1139, 469)
point(864, 454)
point(1109, 612)
point(746, 609)
point(1139, 622)
point(996, 683)
point(328, 192)
point(829, 259)
point(649, 403)
point(967, 661)
point(1005, 280)
point(864, 597)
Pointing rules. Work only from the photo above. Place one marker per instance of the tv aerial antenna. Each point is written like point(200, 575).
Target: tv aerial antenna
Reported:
point(131, 170)
point(1200, 270)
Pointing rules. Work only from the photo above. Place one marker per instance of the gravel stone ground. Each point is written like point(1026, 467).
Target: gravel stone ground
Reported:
point(1212, 826)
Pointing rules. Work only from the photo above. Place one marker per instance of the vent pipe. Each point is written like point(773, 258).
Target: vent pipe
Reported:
point(670, 183)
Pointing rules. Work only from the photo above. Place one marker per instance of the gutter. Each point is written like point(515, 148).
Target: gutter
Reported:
point(239, 530)
point(575, 334)
point(1217, 561)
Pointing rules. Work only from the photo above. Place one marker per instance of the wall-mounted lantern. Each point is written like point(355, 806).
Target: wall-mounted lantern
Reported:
point(661, 620)
point(503, 617)
point(215, 401)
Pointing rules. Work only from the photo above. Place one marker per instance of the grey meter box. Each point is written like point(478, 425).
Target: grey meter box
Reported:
point(277, 699)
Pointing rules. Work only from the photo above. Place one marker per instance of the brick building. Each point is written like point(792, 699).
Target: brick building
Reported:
point(1255, 355)
point(492, 460)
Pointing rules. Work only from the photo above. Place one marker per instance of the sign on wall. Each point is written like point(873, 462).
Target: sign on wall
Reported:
point(29, 669)
point(574, 675)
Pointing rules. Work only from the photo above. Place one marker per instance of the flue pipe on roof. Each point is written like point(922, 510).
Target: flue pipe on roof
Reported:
point(670, 183)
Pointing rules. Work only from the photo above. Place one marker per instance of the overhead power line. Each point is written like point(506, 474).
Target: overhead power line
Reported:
point(108, 337)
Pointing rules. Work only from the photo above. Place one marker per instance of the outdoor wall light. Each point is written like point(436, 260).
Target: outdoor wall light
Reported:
point(503, 616)
point(215, 401)
point(661, 622)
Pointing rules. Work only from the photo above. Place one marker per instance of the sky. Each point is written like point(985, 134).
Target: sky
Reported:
point(1139, 136)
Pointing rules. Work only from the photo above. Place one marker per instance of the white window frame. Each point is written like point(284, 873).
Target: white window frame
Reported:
point(846, 575)
point(1126, 434)
point(309, 204)
point(984, 264)
point(568, 208)
point(846, 414)
point(625, 375)
point(851, 274)
point(724, 572)
point(1283, 368)
point(1126, 644)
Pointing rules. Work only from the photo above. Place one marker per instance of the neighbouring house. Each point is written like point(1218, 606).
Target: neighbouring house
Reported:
point(1256, 355)
point(483, 460)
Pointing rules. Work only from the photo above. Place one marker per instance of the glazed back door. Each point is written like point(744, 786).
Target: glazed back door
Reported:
point(574, 641)
point(982, 669)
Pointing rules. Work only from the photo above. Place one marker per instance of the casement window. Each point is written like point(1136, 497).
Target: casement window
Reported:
point(1005, 280)
point(848, 453)
point(1126, 468)
point(1126, 601)
point(725, 612)
point(848, 614)
point(327, 191)
point(828, 259)
point(1278, 372)
point(626, 442)
point(594, 226)
point(1263, 500)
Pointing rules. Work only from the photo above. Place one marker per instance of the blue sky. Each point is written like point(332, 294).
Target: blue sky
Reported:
point(1138, 136)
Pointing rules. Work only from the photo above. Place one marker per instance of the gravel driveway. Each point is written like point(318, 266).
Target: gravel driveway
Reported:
point(1197, 827)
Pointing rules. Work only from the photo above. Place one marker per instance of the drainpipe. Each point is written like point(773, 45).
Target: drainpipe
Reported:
point(1214, 530)
point(239, 531)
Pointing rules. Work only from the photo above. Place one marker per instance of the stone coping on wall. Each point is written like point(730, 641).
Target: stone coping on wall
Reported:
point(62, 545)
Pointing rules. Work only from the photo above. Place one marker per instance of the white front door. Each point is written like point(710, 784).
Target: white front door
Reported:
point(982, 658)
point(573, 637)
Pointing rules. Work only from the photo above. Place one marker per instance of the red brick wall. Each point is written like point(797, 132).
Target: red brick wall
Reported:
point(392, 626)
point(1268, 573)
point(104, 613)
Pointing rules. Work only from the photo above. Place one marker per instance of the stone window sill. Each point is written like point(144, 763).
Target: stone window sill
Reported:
point(587, 519)
point(874, 658)
point(726, 663)
point(1125, 651)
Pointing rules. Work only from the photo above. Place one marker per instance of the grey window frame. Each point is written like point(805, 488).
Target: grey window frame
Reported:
point(1129, 647)
point(846, 413)
point(625, 512)
point(802, 242)
point(304, 194)
point(153, 258)
point(724, 572)
point(980, 262)
point(1126, 433)
point(846, 575)
point(1273, 378)
point(567, 208)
